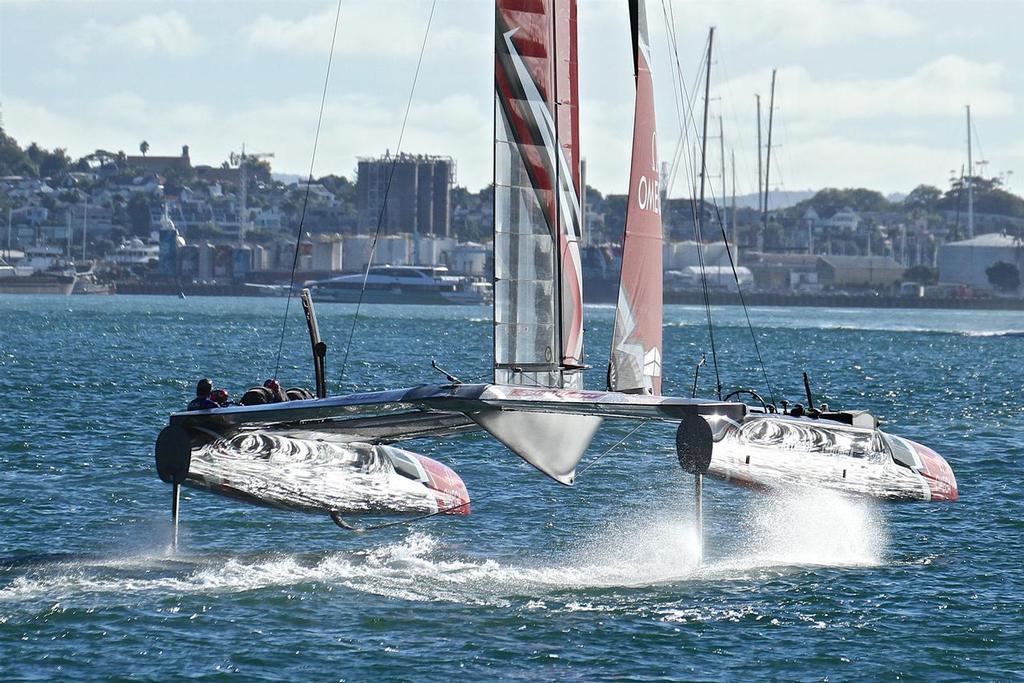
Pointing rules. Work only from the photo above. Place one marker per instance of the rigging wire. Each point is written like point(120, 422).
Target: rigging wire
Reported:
point(671, 37)
point(743, 304)
point(683, 101)
point(305, 198)
point(387, 191)
point(698, 227)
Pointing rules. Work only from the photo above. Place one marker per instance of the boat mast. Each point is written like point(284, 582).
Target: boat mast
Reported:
point(760, 173)
point(732, 164)
point(721, 201)
point(721, 154)
point(700, 214)
point(768, 157)
point(704, 139)
point(969, 179)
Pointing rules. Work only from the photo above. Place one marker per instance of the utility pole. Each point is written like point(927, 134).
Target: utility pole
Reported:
point(85, 225)
point(768, 153)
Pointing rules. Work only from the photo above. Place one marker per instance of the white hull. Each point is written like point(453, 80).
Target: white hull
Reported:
point(780, 454)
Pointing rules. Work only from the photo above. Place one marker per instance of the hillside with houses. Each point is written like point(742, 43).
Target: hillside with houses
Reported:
point(109, 208)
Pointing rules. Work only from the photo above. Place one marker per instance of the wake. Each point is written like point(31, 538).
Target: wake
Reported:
point(779, 535)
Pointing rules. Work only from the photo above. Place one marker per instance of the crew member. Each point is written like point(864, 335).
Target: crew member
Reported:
point(203, 401)
point(220, 397)
point(277, 393)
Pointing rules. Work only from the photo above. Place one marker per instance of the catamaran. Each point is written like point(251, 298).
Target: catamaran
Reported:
point(536, 405)
point(337, 455)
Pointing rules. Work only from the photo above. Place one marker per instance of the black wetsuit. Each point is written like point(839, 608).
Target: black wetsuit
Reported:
point(202, 403)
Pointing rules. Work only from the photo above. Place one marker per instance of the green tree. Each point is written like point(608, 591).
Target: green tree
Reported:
point(14, 160)
point(921, 274)
point(143, 147)
point(139, 215)
point(1004, 276)
point(831, 200)
point(923, 198)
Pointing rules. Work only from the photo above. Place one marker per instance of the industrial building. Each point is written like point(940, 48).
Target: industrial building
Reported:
point(965, 262)
point(858, 271)
point(419, 197)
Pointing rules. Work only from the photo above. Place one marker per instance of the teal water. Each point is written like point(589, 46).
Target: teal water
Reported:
point(595, 582)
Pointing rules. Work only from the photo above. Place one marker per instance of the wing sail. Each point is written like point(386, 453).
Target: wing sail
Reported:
point(635, 365)
point(538, 289)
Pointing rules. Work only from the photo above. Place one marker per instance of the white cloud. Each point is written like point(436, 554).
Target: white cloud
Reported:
point(878, 164)
point(168, 33)
point(797, 23)
point(939, 88)
point(354, 125)
point(386, 28)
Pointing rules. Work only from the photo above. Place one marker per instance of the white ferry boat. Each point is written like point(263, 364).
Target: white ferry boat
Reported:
point(402, 285)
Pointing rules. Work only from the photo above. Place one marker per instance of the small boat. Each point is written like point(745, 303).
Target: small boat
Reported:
point(400, 285)
point(42, 271)
point(88, 283)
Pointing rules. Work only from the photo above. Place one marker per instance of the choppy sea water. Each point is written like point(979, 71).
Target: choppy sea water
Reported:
point(599, 581)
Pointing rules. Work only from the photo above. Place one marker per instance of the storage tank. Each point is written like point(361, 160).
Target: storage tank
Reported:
point(357, 252)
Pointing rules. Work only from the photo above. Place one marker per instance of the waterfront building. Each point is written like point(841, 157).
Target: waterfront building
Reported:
point(419, 197)
point(327, 255)
point(858, 271)
point(161, 165)
point(965, 262)
point(135, 252)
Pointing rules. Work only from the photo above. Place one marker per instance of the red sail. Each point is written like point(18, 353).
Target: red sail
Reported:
point(538, 278)
point(636, 340)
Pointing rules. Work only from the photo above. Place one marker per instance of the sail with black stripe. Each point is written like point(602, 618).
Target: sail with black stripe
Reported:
point(538, 284)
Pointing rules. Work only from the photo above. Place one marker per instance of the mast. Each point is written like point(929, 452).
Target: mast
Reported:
point(768, 154)
point(704, 138)
point(970, 179)
point(760, 174)
point(721, 197)
point(732, 164)
point(721, 156)
point(700, 215)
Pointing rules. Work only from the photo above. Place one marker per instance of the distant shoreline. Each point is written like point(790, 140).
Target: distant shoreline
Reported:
point(604, 295)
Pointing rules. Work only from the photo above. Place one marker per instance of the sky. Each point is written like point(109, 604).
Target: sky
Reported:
point(869, 94)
